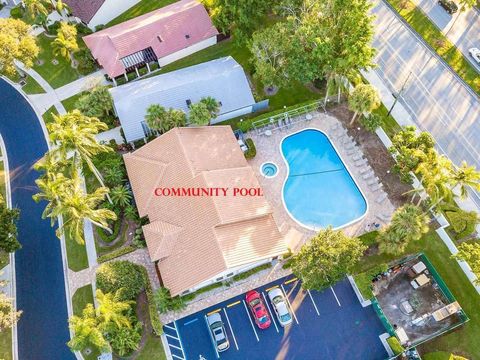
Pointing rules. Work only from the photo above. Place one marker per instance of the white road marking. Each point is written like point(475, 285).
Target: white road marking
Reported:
point(171, 336)
point(230, 326)
point(289, 304)
point(272, 315)
point(175, 347)
point(178, 357)
point(179, 339)
point(169, 327)
point(249, 318)
point(314, 305)
point(336, 298)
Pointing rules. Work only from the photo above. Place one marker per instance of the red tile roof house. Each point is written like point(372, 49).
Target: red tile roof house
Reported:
point(163, 35)
point(98, 12)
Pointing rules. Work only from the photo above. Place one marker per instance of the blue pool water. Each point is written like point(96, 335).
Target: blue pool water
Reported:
point(269, 169)
point(319, 191)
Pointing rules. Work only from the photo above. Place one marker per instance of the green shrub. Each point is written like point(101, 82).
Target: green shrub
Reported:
point(105, 236)
point(121, 275)
point(463, 223)
point(152, 309)
point(250, 272)
point(53, 28)
point(165, 302)
point(397, 348)
point(17, 12)
point(83, 29)
point(114, 254)
point(369, 238)
point(252, 151)
point(125, 340)
point(371, 122)
point(364, 280)
point(86, 63)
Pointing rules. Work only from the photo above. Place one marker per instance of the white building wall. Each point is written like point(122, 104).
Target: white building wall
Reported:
point(187, 51)
point(233, 114)
point(229, 273)
point(110, 10)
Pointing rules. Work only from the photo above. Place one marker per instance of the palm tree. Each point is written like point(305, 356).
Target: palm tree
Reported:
point(155, 117)
point(199, 114)
point(213, 106)
point(113, 175)
point(408, 224)
point(43, 21)
point(364, 98)
point(65, 44)
point(336, 81)
point(86, 331)
point(35, 7)
point(121, 196)
point(436, 177)
point(111, 310)
point(75, 133)
point(465, 176)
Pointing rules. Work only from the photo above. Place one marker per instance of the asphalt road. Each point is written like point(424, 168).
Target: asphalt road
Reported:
point(40, 290)
point(437, 99)
point(465, 32)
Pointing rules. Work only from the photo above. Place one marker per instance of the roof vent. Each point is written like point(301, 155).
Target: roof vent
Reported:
point(159, 38)
point(187, 36)
point(189, 102)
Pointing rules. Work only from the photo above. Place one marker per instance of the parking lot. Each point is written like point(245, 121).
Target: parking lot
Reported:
point(326, 325)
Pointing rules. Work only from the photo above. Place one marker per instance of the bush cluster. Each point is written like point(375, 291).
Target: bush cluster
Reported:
point(116, 253)
point(463, 223)
point(121, 275)
point(252, 151)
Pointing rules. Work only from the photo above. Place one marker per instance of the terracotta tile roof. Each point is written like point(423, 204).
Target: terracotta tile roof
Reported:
point(166, 31)
point(196, 238)
point(85, 10)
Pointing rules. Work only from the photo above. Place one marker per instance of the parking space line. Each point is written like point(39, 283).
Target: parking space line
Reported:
point(233, 304)
point(178, 357)
point(270, 288)
point(251, 322)
point(230, 326)
point(211, 338)
point(214, 311)
point(175, 347)
point(171, 336)
point(169, 327)
point(270, 311)
point(179, 338)
point(290, 281)
point(289, 304)
point(314, 305)
point(336, 298)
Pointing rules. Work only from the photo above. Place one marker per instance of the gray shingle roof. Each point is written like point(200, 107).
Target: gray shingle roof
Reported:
point(223, 79)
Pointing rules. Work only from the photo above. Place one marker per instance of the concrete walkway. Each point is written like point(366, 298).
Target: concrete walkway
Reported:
point(112, 134)
point(83, 84)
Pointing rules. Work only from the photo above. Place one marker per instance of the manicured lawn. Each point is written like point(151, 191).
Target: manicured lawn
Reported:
point(153, 349)
point(32, 87)
point(437, 355)
point(6, 345)
point(81, 298)
point(141, 8)
point(465, 339)
point(56, 75)
point(422, 24)
point(3, 190)
point(47, 116)
point(69, 103)
point(76, 254)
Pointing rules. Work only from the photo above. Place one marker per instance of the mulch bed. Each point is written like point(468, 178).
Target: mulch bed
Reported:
point(377, 155)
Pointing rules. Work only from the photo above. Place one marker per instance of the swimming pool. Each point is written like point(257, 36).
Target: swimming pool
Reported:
point(319, 191)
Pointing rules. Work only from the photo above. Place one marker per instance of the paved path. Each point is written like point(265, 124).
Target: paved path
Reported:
point(112, 134)
point(435, 97)
point(40, 287)
point(83, 84)
point(465, 33)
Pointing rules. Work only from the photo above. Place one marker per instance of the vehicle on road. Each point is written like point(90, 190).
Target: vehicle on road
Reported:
point(217, 330)
point(475, 54)
point(258, 309)
point(280, 307)
point(449, 6)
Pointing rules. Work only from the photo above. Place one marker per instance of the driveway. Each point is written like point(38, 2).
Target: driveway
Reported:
point(40, 289)
point(437, 99)
point(465, 33)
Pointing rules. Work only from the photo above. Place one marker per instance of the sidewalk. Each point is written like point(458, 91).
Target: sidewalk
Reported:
point(83, 84)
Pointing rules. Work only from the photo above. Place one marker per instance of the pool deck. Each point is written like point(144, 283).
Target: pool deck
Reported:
point(268, 150)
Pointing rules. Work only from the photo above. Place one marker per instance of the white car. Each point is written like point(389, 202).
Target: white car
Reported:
point(475, 54)
point(280, 306)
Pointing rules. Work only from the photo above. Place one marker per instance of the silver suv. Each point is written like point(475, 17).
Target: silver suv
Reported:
point(280, 306)
point(217, 330)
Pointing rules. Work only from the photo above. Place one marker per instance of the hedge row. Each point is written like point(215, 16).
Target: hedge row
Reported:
point(157, 326)
point(250, 272)
point(116, 253)
point(252, 151)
